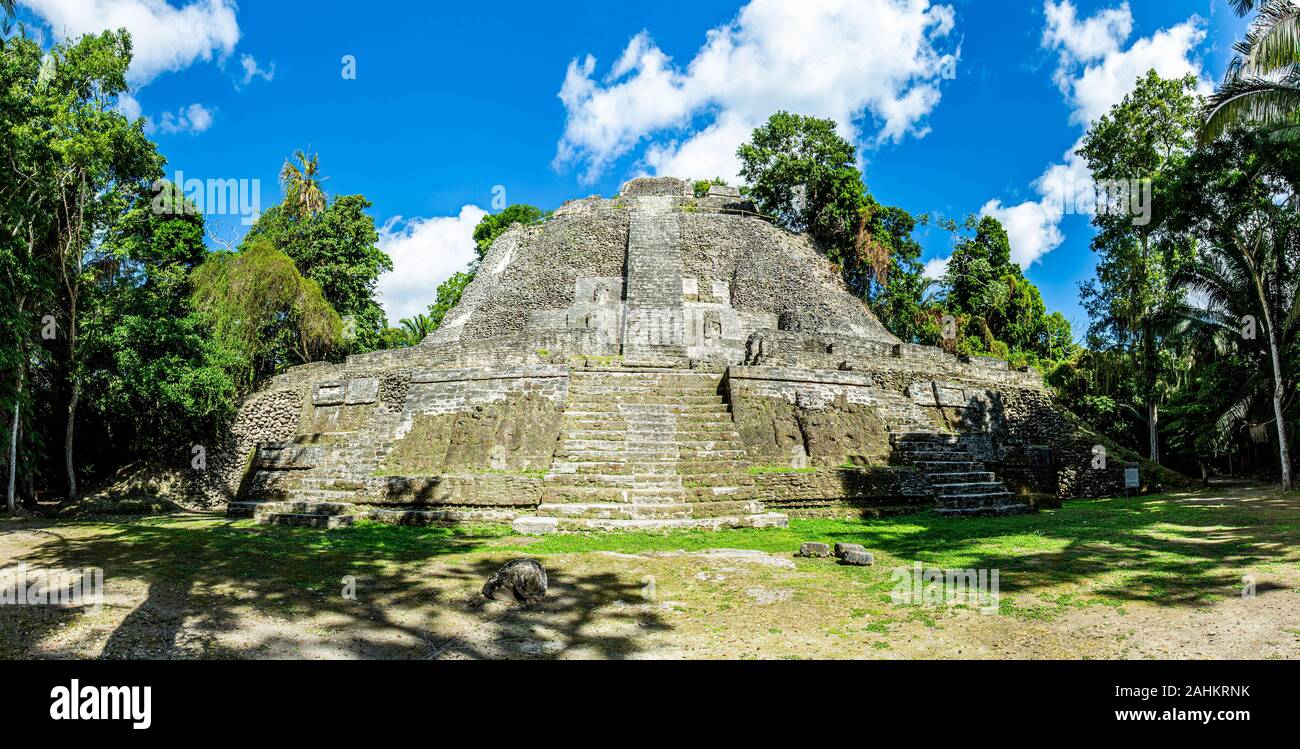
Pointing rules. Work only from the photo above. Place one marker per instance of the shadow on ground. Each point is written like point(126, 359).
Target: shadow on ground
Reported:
point(1179, 549)
point(203, 576)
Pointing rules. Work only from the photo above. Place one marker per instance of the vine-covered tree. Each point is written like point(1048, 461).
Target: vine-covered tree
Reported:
point(265, 314)
point(1137, 149)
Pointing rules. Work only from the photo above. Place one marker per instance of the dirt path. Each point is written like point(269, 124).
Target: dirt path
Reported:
point(661, 604)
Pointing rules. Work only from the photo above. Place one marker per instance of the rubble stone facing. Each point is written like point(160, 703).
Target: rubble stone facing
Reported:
point(648, 362)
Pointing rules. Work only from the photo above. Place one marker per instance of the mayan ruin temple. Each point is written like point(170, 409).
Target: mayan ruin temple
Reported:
point(655, 360)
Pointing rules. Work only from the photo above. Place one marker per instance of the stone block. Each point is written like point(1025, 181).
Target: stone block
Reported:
point(365, 390)
point(814, 550)
point(329, 394)
point(951, 396)
point(657, 187)
point(858, 558)
point(842, 549)
point(534, 526)
point(922, 393)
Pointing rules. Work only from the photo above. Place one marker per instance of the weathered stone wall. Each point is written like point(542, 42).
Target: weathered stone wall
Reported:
point(502, 491)
point(515, 434)
point(769, 271)
point(799, 418)
point(265, 416)
point(841, 492)
point(534, 269)
point(471, 420)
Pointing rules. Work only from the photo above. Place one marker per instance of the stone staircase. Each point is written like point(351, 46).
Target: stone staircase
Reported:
point(647, 449)
point(296, 513)
point(961, 483)
point(654, 324)
point(311, 481)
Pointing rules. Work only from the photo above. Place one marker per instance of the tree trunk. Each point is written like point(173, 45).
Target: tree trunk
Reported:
point(13, 444)
point(1153, 418)
point(1153, 408)
point(67, 442)
point(1284, 451)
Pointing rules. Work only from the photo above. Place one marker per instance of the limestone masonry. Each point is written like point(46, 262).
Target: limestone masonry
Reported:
point(652, 361)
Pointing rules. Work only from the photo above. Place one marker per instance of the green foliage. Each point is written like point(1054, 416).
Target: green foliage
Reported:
point(263, 311)
point(338, 248)
point(996, 310)
point(304, 194)
point(701, 187)
point(494, 225)
point(73, 164)
point(1262, 87)
point(412, 331)
point(154, 379)
point(802, 172)
point(1143, 140)
point(449, 293)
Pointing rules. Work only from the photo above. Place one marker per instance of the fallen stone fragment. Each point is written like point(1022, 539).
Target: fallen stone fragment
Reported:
point(525, 578)
point(814, 550)
point(858, 558)
point(840, 549)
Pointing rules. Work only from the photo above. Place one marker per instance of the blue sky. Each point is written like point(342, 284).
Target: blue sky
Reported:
point(958, 107)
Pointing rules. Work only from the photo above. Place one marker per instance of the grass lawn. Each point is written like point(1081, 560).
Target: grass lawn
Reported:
point(198, 586)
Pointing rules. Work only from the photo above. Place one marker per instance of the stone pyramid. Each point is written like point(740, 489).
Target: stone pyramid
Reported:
point(651, 361)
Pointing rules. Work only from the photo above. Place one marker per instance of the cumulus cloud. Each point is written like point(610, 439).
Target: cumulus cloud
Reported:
point(861, 62)
point(164, 37)
point(1087, 40)
point(936, 268)
point(129, 106)
point(1096, 70)
point(425, 252)
point(193, 119)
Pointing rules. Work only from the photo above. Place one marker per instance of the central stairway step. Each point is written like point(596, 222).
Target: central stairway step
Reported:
point(541, 525)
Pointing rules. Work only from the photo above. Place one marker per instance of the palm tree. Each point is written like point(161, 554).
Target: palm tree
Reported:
point(1238, 280)
point(416, 329)
point(1246, 271)
point(1262, 85)
point(302, 185)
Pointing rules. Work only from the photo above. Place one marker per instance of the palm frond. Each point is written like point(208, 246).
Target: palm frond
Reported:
point(1237, 410)
point(1253, 100)
point(1274, 40)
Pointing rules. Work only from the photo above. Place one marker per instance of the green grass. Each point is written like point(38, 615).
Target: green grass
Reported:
point(1087, 553)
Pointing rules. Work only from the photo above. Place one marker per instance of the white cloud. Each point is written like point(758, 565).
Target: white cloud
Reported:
point(852, 60)
point(164, 37)
point(129, 106)
point(1095, 72)
point(936, 268)
point(1170, 52)
point(253, 70)
point(1087, 40)
point(1032, 228)
point(425, 252)
point(193, 119)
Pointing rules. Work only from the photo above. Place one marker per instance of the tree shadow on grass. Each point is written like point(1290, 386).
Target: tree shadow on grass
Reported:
point(1171, 550)
point(204, 579)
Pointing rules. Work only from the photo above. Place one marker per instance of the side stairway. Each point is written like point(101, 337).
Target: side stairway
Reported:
point(961, 482)
point(305, 514)
point(647, 449)
point(311, 481)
